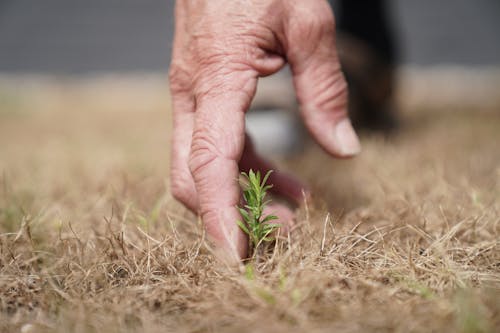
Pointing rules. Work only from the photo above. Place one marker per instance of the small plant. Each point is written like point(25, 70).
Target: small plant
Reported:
point(255, 225)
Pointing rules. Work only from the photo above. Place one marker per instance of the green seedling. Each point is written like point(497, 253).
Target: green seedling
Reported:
point(255, 224)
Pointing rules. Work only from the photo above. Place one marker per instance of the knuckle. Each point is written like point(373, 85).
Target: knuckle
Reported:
point(177, 185)
point(316, 23)
point(219, 137)
point(178, 191)
point(330, 96)
point(232, 80)
point(203, 153)
point(325, 21)
point(180, 187)
point(331, 90)
point(178, 78)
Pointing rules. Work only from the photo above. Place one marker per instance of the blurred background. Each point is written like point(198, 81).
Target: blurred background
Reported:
point(81, 36)
point(444, 54)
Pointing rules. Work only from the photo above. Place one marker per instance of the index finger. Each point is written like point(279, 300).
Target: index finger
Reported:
point(217, 145)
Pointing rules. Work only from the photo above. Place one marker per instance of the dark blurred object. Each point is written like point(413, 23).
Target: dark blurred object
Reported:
point(368, 57)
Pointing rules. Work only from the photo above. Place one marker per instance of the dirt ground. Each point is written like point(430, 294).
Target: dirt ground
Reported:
point(404, 238)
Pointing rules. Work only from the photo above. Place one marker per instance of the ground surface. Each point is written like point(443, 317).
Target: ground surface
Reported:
point(404, 238)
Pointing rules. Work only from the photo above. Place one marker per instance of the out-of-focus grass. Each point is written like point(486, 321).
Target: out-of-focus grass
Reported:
point(405, 238)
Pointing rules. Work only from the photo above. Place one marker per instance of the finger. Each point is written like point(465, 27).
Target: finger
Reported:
point(217, 144)
point(180, 78)
point(182, 183)
point(319, 83)
point(284, 185)
point(286, 217)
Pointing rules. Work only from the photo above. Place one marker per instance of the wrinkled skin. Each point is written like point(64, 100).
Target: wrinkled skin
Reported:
point(221, 48)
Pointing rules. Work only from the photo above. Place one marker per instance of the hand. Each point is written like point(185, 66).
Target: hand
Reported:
point(221, 48)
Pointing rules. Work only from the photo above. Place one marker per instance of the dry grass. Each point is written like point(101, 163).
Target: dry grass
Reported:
point(404, 239)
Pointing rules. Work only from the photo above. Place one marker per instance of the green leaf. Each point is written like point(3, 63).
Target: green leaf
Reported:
point(243, 227)
point(268, 226)
point(244, 213)
point(252, 177)
point(269, 218)
point(264, 181)
point(265, 295)
point(249, 272)
point(267, 188)
point(255, 223)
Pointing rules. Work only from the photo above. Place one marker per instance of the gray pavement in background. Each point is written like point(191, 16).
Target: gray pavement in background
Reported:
point(80, 36)
point(77, 36)
point(463, 32)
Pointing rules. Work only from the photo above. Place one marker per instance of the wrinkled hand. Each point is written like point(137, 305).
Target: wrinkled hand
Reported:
point(221, 48)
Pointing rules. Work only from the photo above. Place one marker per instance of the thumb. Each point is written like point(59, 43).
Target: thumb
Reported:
point(319, 83)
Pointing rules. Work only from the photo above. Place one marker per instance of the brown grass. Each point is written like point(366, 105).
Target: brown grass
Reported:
point(404, 238)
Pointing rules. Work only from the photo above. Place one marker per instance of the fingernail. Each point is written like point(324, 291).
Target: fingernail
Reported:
point(347, 139)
